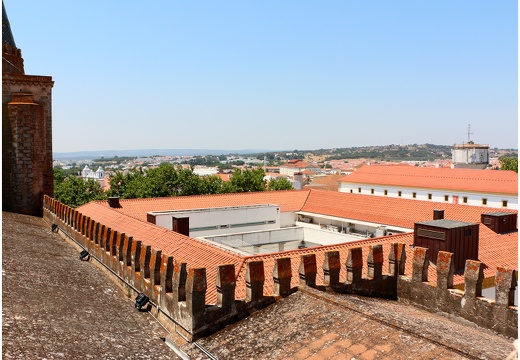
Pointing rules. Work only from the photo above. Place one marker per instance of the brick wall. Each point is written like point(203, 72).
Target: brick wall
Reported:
point(27, 172)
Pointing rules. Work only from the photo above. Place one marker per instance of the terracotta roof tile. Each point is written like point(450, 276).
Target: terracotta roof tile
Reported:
point(328, 182)
point(296, 164)
point(486, 181)
point(289, 200)
point(388, 210)
point(494, 249)
point(192, 251)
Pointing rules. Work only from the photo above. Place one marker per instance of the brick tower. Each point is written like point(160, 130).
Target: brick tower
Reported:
point(27, 172)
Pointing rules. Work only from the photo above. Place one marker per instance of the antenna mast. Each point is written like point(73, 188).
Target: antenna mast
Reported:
point(469, 132)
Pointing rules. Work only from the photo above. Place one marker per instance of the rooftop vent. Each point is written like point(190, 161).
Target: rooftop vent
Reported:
point(438, 214)
point(181, 225)
point(499, 222)
point(150, 218)
point(113, 202)
point(457, 237)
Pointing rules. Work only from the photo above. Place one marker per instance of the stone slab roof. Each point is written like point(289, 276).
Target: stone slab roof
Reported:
point(313, 325)
point(56, 306)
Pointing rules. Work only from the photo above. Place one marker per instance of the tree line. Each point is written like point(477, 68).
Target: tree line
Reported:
point(163, 181)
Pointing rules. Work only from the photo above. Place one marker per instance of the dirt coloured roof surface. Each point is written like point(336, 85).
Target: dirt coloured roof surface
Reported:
point(315, 325)
point(55, 306)
point(482, 181)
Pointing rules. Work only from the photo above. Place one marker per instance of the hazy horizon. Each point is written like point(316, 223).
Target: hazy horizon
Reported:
point(282, 75)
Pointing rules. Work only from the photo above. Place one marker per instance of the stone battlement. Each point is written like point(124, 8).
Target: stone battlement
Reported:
point(179, 292)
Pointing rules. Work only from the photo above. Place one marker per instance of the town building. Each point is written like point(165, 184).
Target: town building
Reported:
point(494, 189)
point(297, 166)
point(470, 156)
point(99, 175)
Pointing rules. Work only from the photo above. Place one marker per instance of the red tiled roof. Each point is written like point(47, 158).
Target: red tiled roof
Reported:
point(328, 182)
point(388, 210)
point(224, 177)
point(486, 181)
point(494, 249)
point(296, 164)
point(194, 252)
point(289, 200)
point(274, 175)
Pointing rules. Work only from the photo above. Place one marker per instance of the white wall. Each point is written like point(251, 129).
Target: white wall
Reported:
point(259, 237)
point(287, 219)
point(470, 155)
point(474, 199)
point(325, 237)
point(215, 221)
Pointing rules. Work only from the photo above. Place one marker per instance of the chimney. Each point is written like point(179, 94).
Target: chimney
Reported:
point(500, 222)
point(181, 225)
point(113, 202)
point(150, 218)
point(438, 214)
point(457, 237)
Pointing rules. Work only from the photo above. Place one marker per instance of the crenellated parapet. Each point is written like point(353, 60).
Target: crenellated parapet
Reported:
point(179, 291)
point(499, 315)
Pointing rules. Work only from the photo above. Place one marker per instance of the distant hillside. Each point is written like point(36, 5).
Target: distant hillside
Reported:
point(414, 152)
point(147, 152)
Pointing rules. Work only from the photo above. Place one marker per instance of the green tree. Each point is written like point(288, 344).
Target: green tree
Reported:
point(248, 180)
point(509, 163)
point(211, 184)
point(128, 185)
point(162, 181)
point(280, 184)
point(74, 191)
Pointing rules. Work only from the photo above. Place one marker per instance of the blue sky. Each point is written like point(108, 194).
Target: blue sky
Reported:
point(273, 74)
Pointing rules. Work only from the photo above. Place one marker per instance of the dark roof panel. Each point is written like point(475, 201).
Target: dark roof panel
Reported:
point(7, 35)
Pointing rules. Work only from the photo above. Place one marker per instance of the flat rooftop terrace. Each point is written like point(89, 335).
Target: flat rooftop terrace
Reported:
point(56, 306)
point(311, 324)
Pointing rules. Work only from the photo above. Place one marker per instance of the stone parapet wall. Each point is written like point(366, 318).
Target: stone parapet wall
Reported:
point(180, 291)
point(499, 315)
